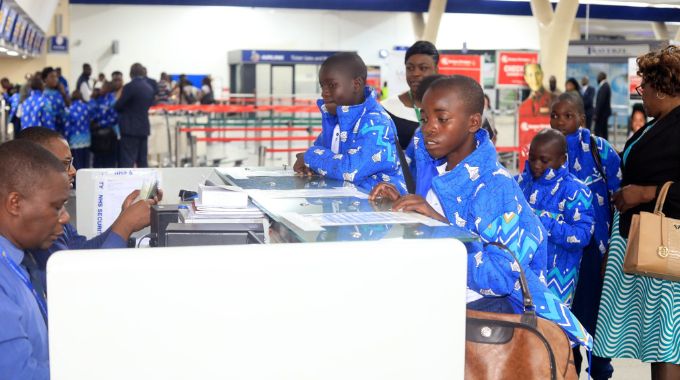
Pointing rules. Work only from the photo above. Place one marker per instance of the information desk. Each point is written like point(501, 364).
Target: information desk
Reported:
point(281, 210)
point(352, 310)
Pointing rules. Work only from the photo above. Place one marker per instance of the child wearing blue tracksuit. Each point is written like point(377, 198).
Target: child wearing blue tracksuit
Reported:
point(460, 180)
point(77, 130)
point(564, 206)
point(357, 141)
point(592, 160)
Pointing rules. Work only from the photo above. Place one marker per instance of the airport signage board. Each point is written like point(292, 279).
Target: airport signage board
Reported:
point(608, 50)
point(58, 44)
point(285, 56)
point(461, 64)
point(510, 66)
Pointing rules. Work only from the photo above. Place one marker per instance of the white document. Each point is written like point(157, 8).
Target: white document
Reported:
point(222, 196)
point(315, 222)
point(112, 188)
point(309, 193)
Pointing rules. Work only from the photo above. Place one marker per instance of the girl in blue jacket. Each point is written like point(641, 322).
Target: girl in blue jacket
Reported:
point(564, 206)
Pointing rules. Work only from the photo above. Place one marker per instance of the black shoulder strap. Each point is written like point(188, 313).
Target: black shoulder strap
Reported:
point(408, 178)
point(596, 156)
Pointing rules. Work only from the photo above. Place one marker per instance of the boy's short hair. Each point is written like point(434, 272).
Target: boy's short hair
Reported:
point(425, 84)
point(423, 47)
point(349, 62)
point(550, 135)
point(573, 99)
point(24, 166)
point(469, 91)
point(38, 135)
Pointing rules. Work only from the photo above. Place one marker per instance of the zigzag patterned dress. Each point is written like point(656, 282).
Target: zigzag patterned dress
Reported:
point(639, 316)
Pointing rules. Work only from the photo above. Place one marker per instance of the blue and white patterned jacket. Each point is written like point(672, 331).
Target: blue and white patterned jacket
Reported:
point(37, 111)
point(480, 195)
point(59, 110)
point(583, 166)
point(367, 154)
point(564, 205)
point(77, 129)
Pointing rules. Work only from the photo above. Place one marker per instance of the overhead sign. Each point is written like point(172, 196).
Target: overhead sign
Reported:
point(58, 44)
point(510, 66)
point(284, 56)
point(607, 50)
point(461, 64)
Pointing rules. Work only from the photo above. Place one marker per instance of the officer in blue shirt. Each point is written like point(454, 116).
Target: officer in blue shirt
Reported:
point(134, 217)
point(31, 217)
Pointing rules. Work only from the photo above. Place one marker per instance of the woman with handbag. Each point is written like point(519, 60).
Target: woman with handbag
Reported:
point(640, 315)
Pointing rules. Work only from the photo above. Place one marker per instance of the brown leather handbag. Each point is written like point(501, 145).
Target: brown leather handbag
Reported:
point(516, 346)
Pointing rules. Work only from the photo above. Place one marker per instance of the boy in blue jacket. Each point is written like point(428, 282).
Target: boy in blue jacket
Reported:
point(596, 163)
point(564, 206)
point(357, 141)
point(460, 180)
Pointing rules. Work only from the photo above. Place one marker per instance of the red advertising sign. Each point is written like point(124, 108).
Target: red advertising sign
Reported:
point(511, 67)
point(460, 64)
point(529, 126)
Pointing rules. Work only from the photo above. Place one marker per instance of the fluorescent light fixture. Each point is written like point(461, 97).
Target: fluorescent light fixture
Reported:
point(639, 4)
point(2, 49)
point(12, 53)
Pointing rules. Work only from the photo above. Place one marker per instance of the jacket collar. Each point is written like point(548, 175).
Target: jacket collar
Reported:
point(347, 116)
point(35, 93)
point(548, 178)
point(483, 157)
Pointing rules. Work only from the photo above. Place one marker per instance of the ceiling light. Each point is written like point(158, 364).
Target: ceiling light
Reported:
point(2, 49)
point(12, 53)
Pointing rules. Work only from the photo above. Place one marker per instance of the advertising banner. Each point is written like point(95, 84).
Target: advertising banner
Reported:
point(529, 126)
point(461, 64)
point(510, 66)
point(633, 79)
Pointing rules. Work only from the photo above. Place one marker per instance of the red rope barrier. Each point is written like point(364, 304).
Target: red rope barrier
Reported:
point(232, 139)
point(268, 150)
point(231, 108)
point(253, 129)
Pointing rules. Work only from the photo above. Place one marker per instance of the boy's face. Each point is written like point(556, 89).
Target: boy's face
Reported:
point(41, 215)
point(544, 155)
point(566, 118)
point(447, 124)
point(338, 88)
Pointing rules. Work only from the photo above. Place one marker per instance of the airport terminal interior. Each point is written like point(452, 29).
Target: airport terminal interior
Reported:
point(357, 189)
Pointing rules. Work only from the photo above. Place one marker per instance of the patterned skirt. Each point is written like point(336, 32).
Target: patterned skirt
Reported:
point(639, 316)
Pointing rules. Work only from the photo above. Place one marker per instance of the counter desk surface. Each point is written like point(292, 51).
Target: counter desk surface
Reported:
point(281, 210)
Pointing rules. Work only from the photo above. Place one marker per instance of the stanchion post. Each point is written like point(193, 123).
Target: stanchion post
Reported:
point(177, 137)
point(262, 151)
point(192, 146)
point(290, 142)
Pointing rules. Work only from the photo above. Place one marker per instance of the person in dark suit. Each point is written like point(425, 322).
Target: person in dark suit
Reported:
point(638, 315)
point(588, 95)
point(133, 109)
point(603, 107)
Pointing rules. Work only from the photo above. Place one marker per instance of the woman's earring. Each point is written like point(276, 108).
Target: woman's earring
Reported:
point(660, 97)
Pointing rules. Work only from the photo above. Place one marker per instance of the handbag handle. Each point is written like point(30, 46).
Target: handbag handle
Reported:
point(661, 199)
point(529, 315)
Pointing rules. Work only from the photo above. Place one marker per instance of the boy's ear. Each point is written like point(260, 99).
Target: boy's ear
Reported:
point(582, 121)
point(474, 122)
point(357, 84)
point(563, 160)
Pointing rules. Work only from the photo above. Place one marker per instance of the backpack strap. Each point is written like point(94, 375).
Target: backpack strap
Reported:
point(408, 178)
point(598, 160)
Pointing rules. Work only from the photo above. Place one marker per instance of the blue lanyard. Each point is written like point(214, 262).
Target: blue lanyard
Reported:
point(630, 147)
point(38, 298)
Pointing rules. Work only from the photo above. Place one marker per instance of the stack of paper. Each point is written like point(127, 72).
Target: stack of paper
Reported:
point(198, 213)
point(222, 196)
